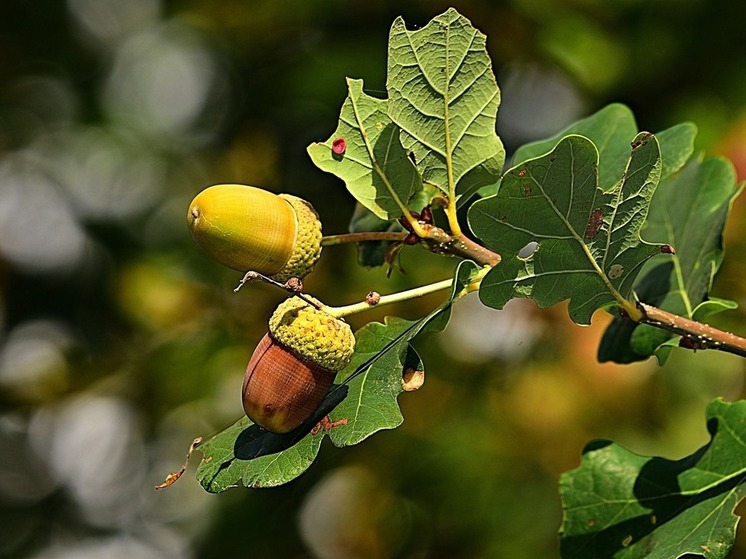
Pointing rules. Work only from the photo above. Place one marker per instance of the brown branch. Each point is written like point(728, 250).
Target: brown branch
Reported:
point(437, 240)
point(442, 242)
point(699, 336)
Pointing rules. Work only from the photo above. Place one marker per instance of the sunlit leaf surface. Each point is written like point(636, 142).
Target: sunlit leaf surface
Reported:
point(364, 151)
point(444, 97)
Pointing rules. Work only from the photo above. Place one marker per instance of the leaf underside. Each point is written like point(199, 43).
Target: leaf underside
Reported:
point(444, 97)
point(373, 165)
point(589, 248)
point(623, 506)
point(363, 403)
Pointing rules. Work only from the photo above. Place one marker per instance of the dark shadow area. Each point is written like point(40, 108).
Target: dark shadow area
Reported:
point(616, 342)
point(254, 441)
point(657, 489)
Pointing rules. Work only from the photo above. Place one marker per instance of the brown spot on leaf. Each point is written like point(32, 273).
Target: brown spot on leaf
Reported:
point(595, 221)
point(412, 379)
point(643, 139)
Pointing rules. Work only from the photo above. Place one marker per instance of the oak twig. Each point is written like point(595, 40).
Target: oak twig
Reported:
point(434, 239)
point(442, 242)
point(700, 335)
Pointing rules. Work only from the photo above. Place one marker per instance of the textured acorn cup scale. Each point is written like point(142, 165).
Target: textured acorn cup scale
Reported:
point(247, 228)
point(294, 365)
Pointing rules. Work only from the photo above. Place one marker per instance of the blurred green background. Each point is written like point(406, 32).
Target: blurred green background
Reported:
point(120, 342)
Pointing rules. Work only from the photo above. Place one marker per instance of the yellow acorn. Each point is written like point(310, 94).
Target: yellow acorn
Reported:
point(247, 228)
point(293, 367)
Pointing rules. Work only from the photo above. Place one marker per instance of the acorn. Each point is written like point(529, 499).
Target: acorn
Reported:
point(294, 364)
point(247, 228)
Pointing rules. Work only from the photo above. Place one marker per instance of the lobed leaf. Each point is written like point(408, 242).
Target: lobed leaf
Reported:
point(382, 354)
point(246, 454)
point(444, 97)
point(372, 404)
point(623, 506)
point(363, 403)
point(688, 212)
point(373, 163)
point(589, 248)
point(611, 129)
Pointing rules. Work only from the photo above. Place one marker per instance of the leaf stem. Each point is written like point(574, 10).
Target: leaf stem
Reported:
point(416, 227)
point(700, 336)
point(453, 223)
point(394, 236)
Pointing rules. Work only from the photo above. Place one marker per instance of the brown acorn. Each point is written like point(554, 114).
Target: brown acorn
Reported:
point(247, 228)
point(294, 365)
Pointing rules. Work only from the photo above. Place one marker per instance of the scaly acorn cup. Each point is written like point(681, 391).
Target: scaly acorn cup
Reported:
point(293, 367)
point(247, 228)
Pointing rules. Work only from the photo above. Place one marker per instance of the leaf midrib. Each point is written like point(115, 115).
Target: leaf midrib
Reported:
point(574, 233)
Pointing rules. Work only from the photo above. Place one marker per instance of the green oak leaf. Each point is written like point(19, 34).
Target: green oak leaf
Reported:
point(382, 353)
point(689, 211)
point(611, 129)
point(374, 165)
point(223, 465)
point(677, 146)
point(624, 506)
point(364, 402)
point(589, 246)
point(444, 97)
point(372, 403)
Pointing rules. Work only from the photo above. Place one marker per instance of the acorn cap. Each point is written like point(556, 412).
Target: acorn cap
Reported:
point(313, 334)
point(294, 365)
point(247, 228)
point(307, 248)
